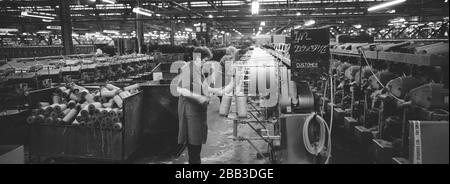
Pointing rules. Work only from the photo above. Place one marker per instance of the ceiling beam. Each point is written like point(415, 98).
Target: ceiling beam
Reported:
point(187, 9)
point(212, 4)
point(252, 18)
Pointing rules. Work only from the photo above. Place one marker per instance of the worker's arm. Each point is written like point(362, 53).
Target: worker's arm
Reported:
point(210, 90)
point(227, 89)
point(235, 81)
point(189, 94)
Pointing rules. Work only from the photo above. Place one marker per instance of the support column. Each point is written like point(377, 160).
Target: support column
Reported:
point(190, 38)
point(208, 33)
point(139, 32)
point(172, 33)
point(158, 39)
point(66, 27)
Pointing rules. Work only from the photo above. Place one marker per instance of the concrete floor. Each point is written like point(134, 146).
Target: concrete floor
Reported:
point(220, 148)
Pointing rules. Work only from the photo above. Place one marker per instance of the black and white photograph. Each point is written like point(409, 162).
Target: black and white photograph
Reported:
point(253, 83)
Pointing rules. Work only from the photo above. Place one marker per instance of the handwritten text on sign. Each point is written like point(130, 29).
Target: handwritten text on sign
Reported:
point(321, 49)
point(301, 36)
point(309, 53)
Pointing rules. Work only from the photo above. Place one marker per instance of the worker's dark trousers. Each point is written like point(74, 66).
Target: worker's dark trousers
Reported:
point(194, 153)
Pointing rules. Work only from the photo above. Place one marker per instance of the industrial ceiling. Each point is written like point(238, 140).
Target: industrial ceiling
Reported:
point(95, 15)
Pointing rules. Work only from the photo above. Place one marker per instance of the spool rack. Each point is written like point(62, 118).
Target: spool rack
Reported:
point(70, 142)
point(256, 115)
point(254, 119)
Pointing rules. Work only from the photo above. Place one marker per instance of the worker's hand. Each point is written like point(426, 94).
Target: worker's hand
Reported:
point(220, 92)
point(203, 100)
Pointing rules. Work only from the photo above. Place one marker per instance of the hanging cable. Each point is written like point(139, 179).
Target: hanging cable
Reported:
point(376, 78)
point(320, 145)
point(331, 118)
point(322, 110)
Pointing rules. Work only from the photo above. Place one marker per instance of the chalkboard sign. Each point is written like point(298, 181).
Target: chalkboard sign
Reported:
point(309, 53)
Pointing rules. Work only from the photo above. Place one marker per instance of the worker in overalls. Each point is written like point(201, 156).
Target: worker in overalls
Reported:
point(227, 60)
point(193, 102)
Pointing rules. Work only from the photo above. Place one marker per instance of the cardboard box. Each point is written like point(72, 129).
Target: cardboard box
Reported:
point(339, 115)
point(382, 151)
point(363, 135)
point(350, 123)
point(428, 142)
point(12, 154)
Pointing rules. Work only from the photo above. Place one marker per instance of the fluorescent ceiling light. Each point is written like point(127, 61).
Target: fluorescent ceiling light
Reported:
point(310, 22)
point(111, 31)
point(43, 32)
point(46, 20)
point(142, 11)
point(385, 5)
point(110, 1)
point(5, 30)
point(210, 16)
point(399, 20)
point(188, 29)
point(5, 34)
point(54, 27)
point(255, 7)
point(36, 15)
point(298, 14)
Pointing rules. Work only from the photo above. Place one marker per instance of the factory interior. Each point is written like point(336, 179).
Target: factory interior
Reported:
point(224, 82)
